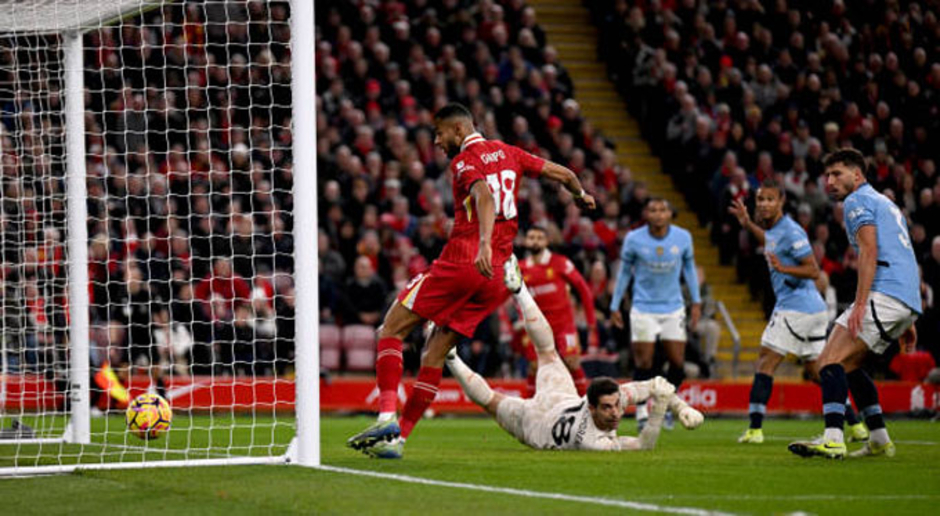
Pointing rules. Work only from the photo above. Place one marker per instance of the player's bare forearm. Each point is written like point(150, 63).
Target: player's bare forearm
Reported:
point(570, 180)
point(867, 262)
point(563, 175)
point(486, 210)
point(756, 230)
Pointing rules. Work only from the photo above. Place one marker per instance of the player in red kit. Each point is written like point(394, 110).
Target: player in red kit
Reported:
point(464, 284)
point(548, 275)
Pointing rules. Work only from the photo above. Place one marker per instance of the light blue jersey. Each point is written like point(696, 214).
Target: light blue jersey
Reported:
point(896, 274)
point(789, 242)
point(656, 263)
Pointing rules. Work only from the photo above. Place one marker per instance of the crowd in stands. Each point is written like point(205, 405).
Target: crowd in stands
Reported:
point(740, 91)
point(189, 182)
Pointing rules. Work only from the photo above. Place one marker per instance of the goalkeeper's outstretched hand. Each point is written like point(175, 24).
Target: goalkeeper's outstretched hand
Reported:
point(691, 418)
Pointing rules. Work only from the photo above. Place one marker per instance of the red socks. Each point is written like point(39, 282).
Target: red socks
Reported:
point(422, 395)
point(580, 381)
point(388, 369)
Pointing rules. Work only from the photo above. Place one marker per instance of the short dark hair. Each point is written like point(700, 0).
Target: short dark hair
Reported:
point(663, 200)
point(773, 183)
point(846, 156)
point(537, 227)
point(453, 110)
point(601, 386)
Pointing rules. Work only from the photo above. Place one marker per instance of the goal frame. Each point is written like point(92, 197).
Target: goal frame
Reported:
point(304, 448)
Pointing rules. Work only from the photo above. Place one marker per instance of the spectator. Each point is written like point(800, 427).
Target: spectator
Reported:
point(708, 330)
point(366, 293)
point(221, 291)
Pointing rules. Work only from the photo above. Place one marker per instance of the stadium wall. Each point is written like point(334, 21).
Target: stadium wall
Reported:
point(200, 393)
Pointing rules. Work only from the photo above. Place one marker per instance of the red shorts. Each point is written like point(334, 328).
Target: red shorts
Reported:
point(455, 296)
point(566, 341)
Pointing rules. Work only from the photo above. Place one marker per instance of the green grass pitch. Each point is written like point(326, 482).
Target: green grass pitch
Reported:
point(702, 470)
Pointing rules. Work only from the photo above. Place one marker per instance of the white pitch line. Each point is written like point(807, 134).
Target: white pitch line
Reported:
point(810, 497)
point(623, 504)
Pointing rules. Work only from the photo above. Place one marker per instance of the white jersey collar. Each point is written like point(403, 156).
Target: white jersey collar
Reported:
point(470, 140)
point(544, 257)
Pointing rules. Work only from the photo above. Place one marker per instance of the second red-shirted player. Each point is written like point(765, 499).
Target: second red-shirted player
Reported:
point(548, 276)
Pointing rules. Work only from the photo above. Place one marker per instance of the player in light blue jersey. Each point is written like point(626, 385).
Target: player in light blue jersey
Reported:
point(655, 256)
point(887, 303)
point(799, 321)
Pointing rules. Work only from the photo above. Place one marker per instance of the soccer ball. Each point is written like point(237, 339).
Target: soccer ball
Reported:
point(148, 416)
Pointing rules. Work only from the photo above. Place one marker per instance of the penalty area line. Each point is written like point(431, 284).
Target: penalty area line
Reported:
point(525, 493)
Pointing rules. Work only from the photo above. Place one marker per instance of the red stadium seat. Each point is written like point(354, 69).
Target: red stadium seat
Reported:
point(330, 347)
point(359, 345)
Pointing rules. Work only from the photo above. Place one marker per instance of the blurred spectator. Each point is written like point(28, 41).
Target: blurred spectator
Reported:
point(366, 293)
point(708, 332)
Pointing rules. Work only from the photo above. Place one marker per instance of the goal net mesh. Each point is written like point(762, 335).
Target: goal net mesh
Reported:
point(187, 134)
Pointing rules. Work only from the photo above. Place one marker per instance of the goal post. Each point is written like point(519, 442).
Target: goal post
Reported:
point(79, 429)
point(303, 87)
point(157, 232)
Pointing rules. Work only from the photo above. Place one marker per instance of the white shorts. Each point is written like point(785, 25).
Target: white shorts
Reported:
point(893, 317)
point(796, 333)
point(645, 327)
point(553, 386)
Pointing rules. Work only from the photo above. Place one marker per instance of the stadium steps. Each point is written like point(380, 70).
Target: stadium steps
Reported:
point(568, 28)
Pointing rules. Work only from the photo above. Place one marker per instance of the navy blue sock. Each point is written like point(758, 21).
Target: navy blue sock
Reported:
point(676, 375)
point(641, 375)
point(851, 417)
point(835, 389)
point(866, 397)
point(760, 393)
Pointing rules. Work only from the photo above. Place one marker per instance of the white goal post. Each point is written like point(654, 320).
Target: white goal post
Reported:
point(188, 175)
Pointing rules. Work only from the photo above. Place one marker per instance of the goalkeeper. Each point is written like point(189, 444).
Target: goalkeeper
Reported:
point(557, 418)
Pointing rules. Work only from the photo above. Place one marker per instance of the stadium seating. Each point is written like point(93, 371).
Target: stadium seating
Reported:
point(330, 347)
point(359, 347)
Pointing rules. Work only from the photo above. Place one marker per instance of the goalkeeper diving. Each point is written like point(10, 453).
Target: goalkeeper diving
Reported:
point(557, 418)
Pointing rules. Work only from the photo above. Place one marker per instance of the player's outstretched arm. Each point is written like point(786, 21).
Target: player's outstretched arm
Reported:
point(570, 180)
point(486, 210)
point(739, 210)
point(650, 433)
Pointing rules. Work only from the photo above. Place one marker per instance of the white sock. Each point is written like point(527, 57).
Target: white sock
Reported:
point(476, 387)
point(535, 324)
point(880, 436)
point(386, 416)
point(834, 434)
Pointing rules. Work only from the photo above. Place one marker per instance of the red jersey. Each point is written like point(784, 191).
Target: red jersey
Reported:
point(547, 277)
point(501, 166)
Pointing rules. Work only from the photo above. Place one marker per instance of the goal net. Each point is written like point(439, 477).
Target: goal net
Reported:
point(147, 239)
